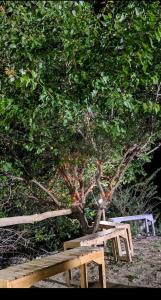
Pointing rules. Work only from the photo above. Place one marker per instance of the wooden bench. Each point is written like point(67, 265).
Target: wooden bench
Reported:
point(146, 217)
point(110, 224)
point(99, 238)
point(24, 275)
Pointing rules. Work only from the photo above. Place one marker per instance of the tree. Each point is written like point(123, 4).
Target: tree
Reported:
point(80, 96)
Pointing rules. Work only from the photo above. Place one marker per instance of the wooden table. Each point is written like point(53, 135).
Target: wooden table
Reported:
point(24, 275)
point(145, 217)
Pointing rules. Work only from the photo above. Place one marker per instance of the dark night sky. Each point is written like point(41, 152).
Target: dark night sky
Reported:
point(153, 166)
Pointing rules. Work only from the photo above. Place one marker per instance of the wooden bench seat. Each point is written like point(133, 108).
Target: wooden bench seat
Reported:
point(145, 217)
point(26, 274)
point(99, 238)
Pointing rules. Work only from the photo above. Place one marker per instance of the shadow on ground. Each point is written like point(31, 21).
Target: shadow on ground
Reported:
point(75, 284)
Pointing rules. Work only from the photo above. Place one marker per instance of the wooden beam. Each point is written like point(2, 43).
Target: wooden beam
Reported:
point(33, 218)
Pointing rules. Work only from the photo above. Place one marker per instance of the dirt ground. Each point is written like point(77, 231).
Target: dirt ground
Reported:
point(143, 271)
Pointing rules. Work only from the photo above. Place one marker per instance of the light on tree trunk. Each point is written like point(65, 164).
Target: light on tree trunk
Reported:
point(100, 200)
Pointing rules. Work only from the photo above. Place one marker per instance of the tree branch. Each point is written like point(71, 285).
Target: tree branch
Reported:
point(47, 192)
point(158, 90)
point(98, 177)
point(151, 151)
point(38, 184)
point(127, 159)
point(90, 188)
point(33, 218)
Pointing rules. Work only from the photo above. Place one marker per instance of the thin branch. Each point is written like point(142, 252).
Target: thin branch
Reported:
point(154, 149)
point(123, 166)
point(146, 144)
point(90, 188)
point(67, 177)
point(158, 90)
point(98, 177)
point(151, 151)
point(38, 184)
point(47, 192)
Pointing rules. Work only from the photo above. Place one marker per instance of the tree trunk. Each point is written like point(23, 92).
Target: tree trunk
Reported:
point(78, 213)
point(97, 219)
point(100, 213)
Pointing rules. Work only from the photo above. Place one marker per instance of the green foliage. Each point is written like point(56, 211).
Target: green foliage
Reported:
point(90, 214)
point(61, 72)
point(51, 234)
point(67, 228)
point(74, 87)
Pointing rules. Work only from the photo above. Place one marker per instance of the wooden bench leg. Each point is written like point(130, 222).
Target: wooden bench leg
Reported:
point(153, 228)
point(102, 271)
point(127, 248)
point(83, 276)
point(102, 275)
point(114, 249)
point(128, 230)
point(68, 275)
point(119, 246)
point(147, 226)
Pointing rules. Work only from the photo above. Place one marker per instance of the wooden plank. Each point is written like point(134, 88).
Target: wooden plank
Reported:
point(91, 239)
point(83, 250)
